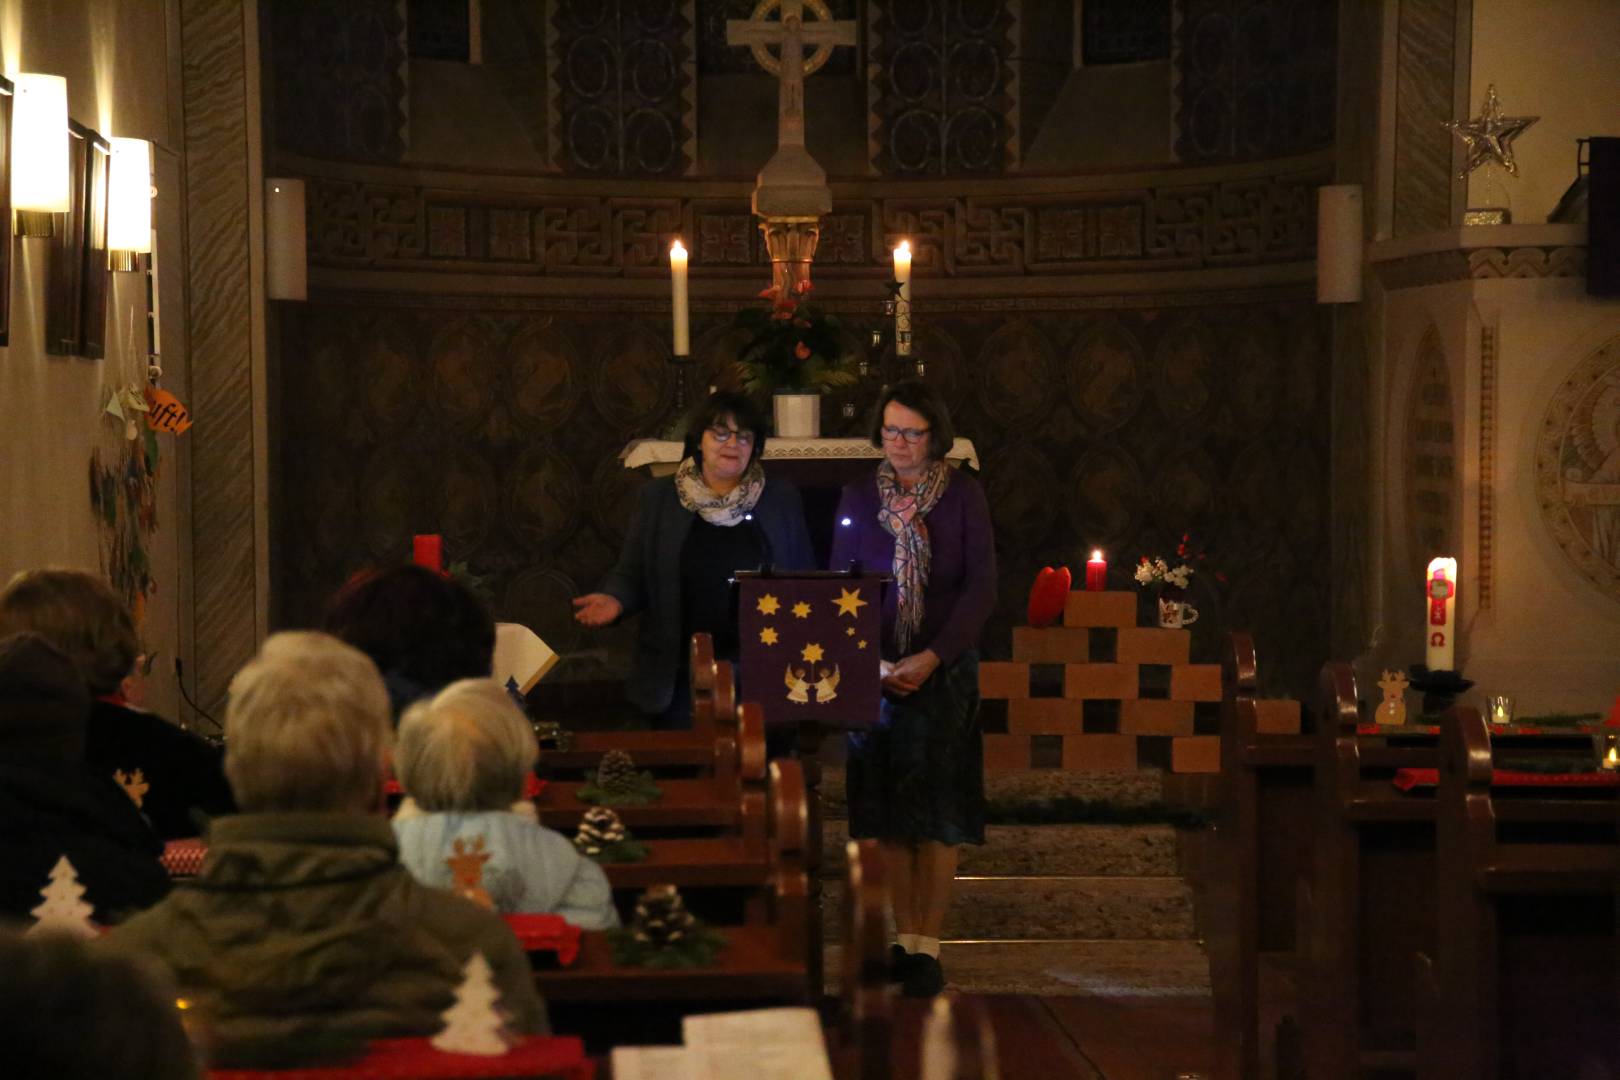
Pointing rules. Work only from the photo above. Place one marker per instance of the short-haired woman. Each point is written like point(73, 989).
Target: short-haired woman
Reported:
point(174, 777)
point(916, 781)
point(422, 629)
point(691, 533)
point(464, 757)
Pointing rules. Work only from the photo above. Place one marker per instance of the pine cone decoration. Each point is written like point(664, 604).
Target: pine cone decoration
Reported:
point(617, 772)
point(661, 917)
point(600, 828)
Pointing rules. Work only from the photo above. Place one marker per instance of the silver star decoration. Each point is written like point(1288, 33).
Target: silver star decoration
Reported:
point(1489, 136)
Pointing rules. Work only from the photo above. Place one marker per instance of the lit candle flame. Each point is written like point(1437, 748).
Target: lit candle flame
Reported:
point(1096, 555)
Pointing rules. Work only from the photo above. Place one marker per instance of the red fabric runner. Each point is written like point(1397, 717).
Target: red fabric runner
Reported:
point(546, 933)
point(532, 787)
point(183, 858)
point(1407, 779)
point(415, 1059)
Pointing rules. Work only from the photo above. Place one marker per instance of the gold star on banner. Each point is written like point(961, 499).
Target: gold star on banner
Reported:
point(849, 630)
point(810, 653)
point(768, 604)
point(849, 602)
point(768, 635)
point(801, 610)
point(861, 644)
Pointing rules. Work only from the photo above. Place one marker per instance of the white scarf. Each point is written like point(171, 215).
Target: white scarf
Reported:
point(727, 509)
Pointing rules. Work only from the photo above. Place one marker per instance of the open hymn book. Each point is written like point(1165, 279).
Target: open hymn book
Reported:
point(762, 1044)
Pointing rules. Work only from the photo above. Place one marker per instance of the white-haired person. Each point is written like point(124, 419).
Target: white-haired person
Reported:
point(463, 758)
point(303, 936)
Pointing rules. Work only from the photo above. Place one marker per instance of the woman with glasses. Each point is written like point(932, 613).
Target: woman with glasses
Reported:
point(916, 780)
point(717, 514)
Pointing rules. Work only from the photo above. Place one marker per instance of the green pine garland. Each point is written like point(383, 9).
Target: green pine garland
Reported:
point(697, 949)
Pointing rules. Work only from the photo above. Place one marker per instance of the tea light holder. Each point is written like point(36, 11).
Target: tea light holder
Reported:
point(1608, 750)
point(1501, 709)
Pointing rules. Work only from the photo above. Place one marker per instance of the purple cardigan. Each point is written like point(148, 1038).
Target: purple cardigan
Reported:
point(961, 589)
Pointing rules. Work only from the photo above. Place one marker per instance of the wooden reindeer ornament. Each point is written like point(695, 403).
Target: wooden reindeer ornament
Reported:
point(1392, 710)
point(467, 871)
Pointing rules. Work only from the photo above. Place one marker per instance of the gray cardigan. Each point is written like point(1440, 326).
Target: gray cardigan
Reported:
point(647, 579)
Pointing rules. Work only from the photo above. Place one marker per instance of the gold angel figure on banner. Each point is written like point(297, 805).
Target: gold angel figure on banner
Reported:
point(798, 689)
point(827, 688)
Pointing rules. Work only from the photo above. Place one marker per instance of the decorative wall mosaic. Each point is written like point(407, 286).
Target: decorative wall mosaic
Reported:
point(1578, 467)
point(622, 86)
point(337, 85)
point(1191, 225)
point(1431, 455)
point(1253, 78)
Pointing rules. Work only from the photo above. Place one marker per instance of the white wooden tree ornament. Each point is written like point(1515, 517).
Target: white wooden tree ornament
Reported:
point(63, 909)
point(473, 1025)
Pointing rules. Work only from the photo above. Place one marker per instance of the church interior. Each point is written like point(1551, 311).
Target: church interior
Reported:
point(1245, 322)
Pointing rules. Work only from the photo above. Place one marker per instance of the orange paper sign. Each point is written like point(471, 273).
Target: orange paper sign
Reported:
point(165, 413)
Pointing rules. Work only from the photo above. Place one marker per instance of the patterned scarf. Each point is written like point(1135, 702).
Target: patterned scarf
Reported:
point(727, 509)
point(901, 513)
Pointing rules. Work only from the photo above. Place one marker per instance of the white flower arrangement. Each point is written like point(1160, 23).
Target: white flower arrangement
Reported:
point(1151, 573)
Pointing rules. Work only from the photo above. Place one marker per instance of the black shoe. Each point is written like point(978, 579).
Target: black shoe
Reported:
point(899, 963)
point(924, 977)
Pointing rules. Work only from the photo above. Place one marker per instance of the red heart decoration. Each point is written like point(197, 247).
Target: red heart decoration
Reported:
point(1049, 595)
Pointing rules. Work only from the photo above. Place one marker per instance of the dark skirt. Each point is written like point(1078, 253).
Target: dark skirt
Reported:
point(919, 775)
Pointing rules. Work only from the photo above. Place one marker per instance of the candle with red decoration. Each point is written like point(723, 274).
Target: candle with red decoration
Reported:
point(1096, 572)
point(1440, 614)
point(427, 549)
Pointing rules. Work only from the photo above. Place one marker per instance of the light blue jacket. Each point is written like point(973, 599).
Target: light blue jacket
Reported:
point(531, 869)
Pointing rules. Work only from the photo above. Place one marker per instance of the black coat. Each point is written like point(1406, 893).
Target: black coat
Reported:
point(48, 810)
point(647, 578)
point(180, 770)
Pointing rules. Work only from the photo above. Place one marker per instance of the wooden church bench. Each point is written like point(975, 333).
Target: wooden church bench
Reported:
point(1524, 978)
point(859, 1038)
point(1263, 858)
point(761, 962)
point(714, 714)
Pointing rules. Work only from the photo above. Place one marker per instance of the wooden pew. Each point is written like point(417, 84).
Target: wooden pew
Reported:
point(1524, 981)
point(1263, 859)
point(714, 714)
point(760, 963)
point(861, 1030)
point(710, 801)
point(1372, 903)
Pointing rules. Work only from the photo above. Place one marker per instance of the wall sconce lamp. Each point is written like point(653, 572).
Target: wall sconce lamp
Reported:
point(1338, 244)
point(129, 205)
point(286, 269)
point(39, 152)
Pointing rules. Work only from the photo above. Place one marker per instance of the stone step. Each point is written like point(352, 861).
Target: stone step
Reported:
point(1037, 850)
point(1122, 968)
point(1141, 790)
point(1052, 908)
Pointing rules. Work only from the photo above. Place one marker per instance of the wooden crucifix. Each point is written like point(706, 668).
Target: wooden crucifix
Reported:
point(792, 34)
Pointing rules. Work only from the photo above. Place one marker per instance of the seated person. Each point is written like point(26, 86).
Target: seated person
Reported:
point(51, 805)
point(423, 630)
point(303, 937)
point(463, 758)
point(174, 777)
point(71, 1011)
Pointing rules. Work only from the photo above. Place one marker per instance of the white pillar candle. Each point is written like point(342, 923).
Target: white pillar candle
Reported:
point(1440, 613)
point(902, 306)
point(677, 278)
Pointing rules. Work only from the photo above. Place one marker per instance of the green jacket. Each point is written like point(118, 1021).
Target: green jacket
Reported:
point(303, 936)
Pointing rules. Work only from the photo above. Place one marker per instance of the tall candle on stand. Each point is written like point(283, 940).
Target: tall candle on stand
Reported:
point(677, 279)
point(1096, 573)
point(1440, 614)
point(902, 305)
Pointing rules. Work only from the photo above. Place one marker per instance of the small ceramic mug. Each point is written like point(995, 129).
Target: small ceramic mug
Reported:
point(1174, 614)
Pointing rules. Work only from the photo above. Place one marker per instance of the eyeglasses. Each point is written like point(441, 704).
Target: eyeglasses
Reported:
point(910, 434)
point(724, 435)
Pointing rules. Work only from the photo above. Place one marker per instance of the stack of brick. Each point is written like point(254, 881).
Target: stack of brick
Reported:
point(1100, 693)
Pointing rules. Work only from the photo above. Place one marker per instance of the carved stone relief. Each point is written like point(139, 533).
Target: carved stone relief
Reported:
point(1578, 468)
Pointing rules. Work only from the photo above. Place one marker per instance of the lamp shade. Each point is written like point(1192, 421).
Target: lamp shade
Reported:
point(286, 269)
point(39, 144)
point(129, 202)
point(1338, 244)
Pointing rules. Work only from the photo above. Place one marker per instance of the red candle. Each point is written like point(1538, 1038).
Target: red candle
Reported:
point(427, 550)
point(1096, 573)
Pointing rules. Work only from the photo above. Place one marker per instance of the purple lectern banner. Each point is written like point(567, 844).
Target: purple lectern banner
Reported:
point(810, 647)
